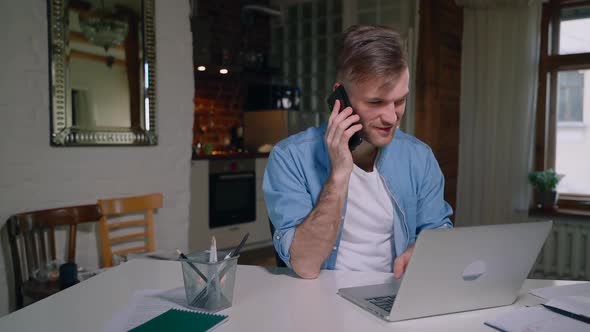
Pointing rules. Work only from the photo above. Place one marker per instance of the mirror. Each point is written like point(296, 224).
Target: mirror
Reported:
point(102, 57)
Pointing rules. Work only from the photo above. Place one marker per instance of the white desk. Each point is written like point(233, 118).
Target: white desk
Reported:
point(265, 299)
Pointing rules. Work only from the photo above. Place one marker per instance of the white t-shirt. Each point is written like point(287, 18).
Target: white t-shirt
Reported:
point(367, 235)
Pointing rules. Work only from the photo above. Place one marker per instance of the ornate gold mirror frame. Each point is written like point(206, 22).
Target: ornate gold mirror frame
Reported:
point(80, 98)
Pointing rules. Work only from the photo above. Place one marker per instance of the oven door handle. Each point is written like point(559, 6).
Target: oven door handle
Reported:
point(236, 176)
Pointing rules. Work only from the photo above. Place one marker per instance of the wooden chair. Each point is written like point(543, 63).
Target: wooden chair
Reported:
point(31, 238)
point(118, 207)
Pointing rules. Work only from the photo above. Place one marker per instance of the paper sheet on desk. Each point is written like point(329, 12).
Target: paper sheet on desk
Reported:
point(145, 305)
point(578, 305)
point(549, 293)
point(536, 319)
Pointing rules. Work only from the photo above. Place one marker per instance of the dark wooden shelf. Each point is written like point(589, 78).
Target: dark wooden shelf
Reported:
point(559, 213)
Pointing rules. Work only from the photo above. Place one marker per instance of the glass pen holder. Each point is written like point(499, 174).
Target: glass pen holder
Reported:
point(209, 286)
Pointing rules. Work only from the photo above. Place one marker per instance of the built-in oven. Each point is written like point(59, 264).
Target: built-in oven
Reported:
point(232, 192)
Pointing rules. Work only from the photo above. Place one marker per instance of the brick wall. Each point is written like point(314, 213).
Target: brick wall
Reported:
point(34, 175)
point(219, 99)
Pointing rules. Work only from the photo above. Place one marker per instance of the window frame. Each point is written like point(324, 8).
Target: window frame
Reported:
point(551, 62)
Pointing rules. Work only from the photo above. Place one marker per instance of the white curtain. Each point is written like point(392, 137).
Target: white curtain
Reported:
point(500, 59)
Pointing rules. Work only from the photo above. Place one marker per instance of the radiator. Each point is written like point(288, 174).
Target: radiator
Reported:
point(566, 253)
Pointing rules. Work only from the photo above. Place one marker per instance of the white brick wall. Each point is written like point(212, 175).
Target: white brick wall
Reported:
point(34, 175)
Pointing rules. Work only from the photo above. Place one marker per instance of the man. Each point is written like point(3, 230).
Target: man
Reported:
point(334, 208)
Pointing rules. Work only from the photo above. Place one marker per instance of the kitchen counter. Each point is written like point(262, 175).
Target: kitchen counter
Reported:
point(234, 155)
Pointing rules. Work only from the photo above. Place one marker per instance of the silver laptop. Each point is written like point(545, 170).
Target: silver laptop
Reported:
point(458, 269)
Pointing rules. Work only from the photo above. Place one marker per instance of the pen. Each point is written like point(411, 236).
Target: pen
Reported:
point(236, 251)
point(213, 251)
point(214, 281)
point(568, 314)
point(183, 256)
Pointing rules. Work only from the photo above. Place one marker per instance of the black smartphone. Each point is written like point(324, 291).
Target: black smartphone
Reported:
point(340, 94)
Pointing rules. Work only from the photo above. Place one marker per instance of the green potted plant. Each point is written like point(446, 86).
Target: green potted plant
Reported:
point(545, 183)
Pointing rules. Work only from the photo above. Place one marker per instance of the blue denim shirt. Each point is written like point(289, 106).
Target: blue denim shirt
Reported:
point(299, 165)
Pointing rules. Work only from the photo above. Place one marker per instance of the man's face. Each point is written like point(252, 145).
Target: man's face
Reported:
point(380, 105)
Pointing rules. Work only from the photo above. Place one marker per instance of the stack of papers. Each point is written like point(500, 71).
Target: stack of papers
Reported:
point(577, 307)
point(145, 305)
point(567, 309)
point(536, 319)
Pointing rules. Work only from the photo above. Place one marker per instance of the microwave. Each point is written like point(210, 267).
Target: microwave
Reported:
point(262, 97)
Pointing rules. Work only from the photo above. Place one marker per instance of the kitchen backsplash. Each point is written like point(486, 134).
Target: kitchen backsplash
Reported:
point(218, 108)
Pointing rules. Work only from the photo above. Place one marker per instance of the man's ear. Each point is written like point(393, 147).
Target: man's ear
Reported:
point(336, 85)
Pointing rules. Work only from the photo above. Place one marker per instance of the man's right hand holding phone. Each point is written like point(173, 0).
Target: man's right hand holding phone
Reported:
point(341, 126)
point(316, 236)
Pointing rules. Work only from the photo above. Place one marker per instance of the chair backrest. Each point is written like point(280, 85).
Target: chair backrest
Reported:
point(143, 228)
point(31, 237)
point(278, 259)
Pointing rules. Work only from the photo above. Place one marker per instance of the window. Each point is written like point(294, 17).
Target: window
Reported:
point(570, 96)
point(563, 126)
point(307, 41)
point(305, 45)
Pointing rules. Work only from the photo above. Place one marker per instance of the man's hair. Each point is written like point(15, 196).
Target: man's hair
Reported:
point(371, 51)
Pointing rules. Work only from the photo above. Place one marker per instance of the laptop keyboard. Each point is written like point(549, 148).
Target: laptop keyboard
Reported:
point(383, 302)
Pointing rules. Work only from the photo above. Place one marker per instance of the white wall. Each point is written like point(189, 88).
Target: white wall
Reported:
point(34, 175)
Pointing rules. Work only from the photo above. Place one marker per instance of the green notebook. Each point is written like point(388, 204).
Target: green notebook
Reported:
point(181, 320)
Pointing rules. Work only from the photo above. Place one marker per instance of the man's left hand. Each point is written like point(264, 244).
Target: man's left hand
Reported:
point(401, 262)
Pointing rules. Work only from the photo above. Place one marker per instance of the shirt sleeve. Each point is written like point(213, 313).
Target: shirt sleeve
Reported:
point(432, 210)
point(286, 197)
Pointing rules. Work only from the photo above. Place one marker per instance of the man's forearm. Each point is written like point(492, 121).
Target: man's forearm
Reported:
point(316, 235)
